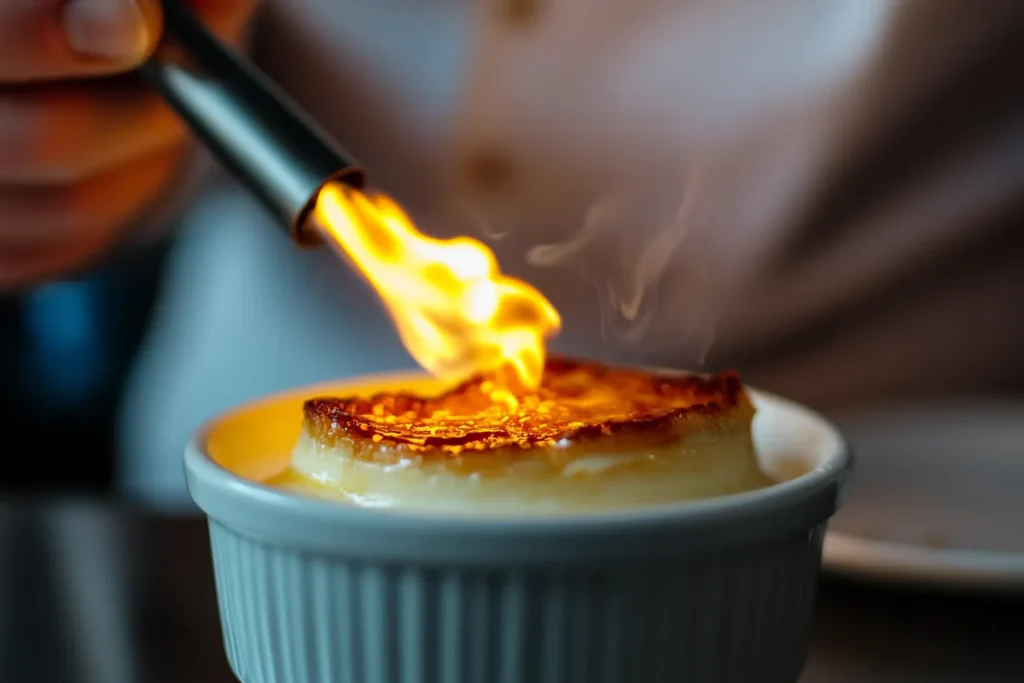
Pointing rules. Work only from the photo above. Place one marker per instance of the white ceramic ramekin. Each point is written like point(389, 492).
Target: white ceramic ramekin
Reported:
point(310, 591)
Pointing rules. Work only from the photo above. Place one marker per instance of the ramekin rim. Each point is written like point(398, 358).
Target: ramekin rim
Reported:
point(209, 476)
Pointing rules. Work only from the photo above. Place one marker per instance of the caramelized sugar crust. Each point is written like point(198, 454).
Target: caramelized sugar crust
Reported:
point(578, 401)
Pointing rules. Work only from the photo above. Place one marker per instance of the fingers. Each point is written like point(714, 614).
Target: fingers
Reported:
point(64, 132)
point(46, 231)
point(48, 40)
point(81, 158)
point(58, 39)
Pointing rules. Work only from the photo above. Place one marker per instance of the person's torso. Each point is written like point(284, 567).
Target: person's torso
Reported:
point(698, 145)
point(822, 194)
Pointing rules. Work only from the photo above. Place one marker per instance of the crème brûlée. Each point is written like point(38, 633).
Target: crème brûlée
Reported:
point(590, 437)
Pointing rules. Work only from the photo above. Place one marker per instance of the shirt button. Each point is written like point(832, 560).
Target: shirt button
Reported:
point(519, 13)
point(488, 171)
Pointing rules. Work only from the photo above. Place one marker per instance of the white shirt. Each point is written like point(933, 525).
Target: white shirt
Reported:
point(800, 189)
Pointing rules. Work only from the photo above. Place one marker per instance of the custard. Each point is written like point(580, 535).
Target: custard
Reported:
point(591, 437)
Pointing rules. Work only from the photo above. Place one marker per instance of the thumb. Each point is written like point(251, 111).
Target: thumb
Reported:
point(59, 39)
point(114, 30)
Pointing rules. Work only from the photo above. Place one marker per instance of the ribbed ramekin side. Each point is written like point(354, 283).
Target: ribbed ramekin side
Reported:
point(291, 617)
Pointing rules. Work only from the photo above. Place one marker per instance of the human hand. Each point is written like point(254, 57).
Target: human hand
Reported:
point(84, 148)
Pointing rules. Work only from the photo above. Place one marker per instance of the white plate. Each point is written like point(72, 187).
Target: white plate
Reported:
point(936, 496)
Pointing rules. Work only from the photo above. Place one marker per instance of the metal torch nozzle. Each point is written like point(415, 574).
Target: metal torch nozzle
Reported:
point(253, 128)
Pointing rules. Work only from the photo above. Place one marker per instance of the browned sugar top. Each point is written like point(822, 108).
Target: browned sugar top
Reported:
point(577, 400)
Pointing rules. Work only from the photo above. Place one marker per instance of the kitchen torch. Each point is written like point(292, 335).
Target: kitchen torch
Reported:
point(249, 124)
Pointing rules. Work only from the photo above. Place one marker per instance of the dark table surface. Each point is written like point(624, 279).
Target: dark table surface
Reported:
point(101, 594)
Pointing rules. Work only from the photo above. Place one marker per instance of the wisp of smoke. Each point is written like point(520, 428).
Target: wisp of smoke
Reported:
point(629, 248)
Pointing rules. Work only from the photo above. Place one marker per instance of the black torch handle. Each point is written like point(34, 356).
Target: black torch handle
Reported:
point(253, 128)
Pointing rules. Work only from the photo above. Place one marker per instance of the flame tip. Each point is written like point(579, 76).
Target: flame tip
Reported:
point(449, 300)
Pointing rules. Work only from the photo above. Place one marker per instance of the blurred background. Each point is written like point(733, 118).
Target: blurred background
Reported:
point(66, 350)
point(858, 243)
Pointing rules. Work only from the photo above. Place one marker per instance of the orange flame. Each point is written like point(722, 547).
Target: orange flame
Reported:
point(454, 310)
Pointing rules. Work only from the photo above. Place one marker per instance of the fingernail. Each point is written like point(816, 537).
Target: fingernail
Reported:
point(107, 29)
